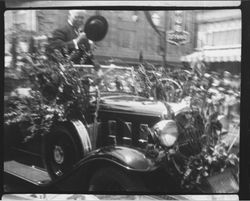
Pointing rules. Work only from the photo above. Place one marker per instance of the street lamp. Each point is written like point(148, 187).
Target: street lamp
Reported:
point(177, 35)
point(135, 16)
point(163, 43)
point(156, 19)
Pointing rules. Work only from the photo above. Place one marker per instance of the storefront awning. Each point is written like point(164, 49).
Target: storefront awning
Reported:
point(214, 55)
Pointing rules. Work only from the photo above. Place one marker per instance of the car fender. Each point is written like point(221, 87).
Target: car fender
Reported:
point(122, 157)
point(126, 157)
point(79, 133)
point(83, 135)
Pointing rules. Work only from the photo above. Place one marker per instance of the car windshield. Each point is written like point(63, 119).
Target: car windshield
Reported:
point(118, 79)
point(115, 79)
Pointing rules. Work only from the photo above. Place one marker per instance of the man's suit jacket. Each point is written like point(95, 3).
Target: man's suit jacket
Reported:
point(63, 38)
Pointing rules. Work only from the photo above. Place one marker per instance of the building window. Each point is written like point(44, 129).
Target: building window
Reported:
point(126, 38)
point(106, 42)
point(219, 38)
point(224, 38)
point(236, 36)
point(126, 15)
point(152, 42)
point(209, 39)
point(21, 17)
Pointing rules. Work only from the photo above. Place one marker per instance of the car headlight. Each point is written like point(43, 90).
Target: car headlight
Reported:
point(166, 131)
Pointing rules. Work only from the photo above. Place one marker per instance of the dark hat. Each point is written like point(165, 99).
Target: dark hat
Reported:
point(96, 27)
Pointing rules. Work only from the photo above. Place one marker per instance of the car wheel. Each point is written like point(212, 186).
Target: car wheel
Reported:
point(60, 152)
point(114, 180)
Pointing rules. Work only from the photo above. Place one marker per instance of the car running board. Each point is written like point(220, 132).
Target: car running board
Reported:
point(28, 173)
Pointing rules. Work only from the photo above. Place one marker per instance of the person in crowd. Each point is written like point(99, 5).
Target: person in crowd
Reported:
point(236, 82)
point(226, 80)
point(71, 40)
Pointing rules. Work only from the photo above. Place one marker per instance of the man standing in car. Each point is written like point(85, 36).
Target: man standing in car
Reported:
point(72, 40)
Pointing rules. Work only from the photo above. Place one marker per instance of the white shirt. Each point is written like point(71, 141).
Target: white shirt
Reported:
point(74, 40)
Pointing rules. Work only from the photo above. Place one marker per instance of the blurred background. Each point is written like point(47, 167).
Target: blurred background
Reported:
point(174, 39)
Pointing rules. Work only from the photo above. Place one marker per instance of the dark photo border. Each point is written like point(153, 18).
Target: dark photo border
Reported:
point(244, 191)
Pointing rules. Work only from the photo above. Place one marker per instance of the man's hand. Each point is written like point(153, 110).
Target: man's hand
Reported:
point(78, 40)
point(100, 73)
point(92, 45)
point(81, 36)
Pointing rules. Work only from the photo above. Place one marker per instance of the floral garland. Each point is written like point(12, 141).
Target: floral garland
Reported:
point(57, 93)
point(215, 156)
point(210, 161)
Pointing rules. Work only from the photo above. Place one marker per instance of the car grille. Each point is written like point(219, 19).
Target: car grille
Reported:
point(127, 133)
point(190, 127)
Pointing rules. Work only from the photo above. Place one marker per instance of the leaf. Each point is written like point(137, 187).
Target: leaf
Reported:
point(232, 162)
point(205, 174)
point(46, 80)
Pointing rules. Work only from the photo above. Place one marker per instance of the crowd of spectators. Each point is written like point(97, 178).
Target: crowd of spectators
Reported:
point(217, 92)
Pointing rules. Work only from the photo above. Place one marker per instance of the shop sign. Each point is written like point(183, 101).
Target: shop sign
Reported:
point(178, 36)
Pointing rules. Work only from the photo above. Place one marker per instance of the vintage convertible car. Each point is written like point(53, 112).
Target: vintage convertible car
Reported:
point(128, 144)
point(124, 142)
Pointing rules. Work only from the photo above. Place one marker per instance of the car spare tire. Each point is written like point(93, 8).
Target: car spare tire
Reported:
point(60, 152)
point(110, 179)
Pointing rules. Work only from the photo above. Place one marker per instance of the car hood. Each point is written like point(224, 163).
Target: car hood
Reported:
point(178, 108)
point(132, 104)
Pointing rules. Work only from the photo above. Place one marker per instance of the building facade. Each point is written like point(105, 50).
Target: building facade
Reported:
point(219, 40)
point(129, 34)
